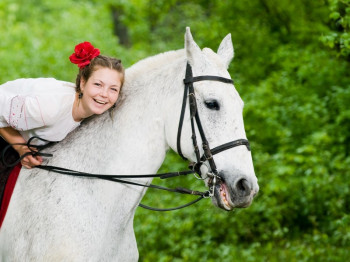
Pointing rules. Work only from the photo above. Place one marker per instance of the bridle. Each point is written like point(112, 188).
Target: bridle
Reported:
point(195, 167)
point(194, 116)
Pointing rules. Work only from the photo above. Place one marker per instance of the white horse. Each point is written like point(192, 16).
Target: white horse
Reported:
point(54, 217)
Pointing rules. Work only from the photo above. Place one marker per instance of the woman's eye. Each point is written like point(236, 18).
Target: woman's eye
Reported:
point(97, 84)
point(115, 89)
point(212, 104)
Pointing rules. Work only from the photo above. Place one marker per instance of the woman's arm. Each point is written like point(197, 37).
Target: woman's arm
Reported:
point(12, 136)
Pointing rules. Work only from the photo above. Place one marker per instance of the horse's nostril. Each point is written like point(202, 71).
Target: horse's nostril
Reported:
point(243, 187)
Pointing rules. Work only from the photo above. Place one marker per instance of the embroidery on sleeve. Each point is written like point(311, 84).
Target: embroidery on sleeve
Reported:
point(17, 113)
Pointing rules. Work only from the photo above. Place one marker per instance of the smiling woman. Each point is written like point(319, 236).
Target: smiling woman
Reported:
point(50, 108)
point(97, 94)
point(100, 78)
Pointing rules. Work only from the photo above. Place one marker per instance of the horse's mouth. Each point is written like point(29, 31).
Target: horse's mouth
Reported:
point(227, 200)
point(224, 196)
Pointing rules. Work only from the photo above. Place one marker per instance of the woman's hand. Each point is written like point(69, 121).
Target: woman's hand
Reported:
point(12, 136)
point(28, 161)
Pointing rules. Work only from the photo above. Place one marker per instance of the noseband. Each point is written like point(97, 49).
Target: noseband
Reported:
point(208, 153)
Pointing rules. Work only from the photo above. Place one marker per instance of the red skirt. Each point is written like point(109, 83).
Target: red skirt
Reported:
point(9, 187)
point(8, 177)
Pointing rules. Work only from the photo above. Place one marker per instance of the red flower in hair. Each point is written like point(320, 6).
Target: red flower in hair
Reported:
point(83, 54)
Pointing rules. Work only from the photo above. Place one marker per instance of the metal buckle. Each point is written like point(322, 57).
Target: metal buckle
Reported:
point(213, 183)
point(209, 175)
point(212, 187)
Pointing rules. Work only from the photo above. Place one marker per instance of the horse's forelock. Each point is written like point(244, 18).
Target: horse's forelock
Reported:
point(215, 58)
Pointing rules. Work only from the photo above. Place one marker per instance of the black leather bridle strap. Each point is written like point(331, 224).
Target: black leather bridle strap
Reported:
point(239, 142)
point(171, 209)
point(118, 178)
point(228, 145)
point(179, 130)
point(210, 78)
point(70, 172)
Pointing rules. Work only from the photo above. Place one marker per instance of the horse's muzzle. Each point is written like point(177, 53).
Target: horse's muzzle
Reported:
point(238, 193)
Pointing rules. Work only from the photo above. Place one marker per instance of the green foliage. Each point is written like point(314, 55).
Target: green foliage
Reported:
point(297, 119)
point(291, 68)
point(338, 36)
point(39, 35)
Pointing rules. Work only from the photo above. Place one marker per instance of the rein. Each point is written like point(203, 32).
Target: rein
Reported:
point(195, 167)
point(35, 151)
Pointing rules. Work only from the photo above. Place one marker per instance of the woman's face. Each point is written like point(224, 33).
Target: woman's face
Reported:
point(100, 91)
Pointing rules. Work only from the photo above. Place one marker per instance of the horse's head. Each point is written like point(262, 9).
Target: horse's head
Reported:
point(219, 109)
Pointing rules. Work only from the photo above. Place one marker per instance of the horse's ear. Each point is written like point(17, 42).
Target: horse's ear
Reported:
point(192, 49)
point(225, 50)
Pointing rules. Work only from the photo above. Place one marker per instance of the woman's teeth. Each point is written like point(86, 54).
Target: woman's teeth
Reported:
point(100, 102)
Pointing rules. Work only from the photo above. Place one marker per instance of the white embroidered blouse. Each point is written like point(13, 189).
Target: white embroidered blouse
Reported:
point(38, 107)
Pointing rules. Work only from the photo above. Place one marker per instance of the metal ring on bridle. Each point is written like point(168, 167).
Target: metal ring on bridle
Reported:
point(194, 171)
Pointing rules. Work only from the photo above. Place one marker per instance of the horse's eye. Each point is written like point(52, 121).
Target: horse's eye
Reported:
point(212, 104)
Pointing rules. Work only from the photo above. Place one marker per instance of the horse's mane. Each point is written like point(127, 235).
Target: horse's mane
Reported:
point(153, 62)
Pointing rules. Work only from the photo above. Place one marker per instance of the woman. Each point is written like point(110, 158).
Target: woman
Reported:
point(50, 109)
